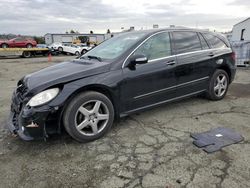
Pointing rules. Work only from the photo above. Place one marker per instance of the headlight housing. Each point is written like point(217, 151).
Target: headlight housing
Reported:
point(43, 97)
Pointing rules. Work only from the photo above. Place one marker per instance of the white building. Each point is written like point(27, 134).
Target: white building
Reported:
point(69, 38)
point(241, 31)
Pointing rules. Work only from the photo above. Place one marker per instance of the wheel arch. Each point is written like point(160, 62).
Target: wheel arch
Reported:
point(93, 87)
point(228, 71)
point(5, 43)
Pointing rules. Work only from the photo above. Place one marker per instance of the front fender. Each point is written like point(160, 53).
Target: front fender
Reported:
point(106, 81)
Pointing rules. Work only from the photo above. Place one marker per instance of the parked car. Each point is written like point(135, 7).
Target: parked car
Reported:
point(128, 73)
point(20, 42)
point(73, 49)
point(56, 46)
point(84, 48)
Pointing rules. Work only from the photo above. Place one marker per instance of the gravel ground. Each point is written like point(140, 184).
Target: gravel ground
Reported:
point(150, 149)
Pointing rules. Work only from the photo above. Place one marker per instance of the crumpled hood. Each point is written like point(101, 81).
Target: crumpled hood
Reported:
point(64, 72)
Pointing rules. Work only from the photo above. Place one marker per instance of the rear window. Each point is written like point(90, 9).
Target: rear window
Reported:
point(214, 41)
point(186, 41)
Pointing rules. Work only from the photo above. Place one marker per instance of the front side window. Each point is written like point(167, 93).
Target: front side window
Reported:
point(214, 41)
point(186, 41)
point(158, 46)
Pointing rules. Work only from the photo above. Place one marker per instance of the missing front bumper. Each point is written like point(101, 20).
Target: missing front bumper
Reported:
point(29, 124)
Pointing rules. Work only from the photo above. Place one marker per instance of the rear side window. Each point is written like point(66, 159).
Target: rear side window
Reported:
point(186, 41)
point(214, 41)
point(203, 42)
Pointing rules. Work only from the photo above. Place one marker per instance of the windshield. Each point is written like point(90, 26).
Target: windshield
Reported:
point(115, 46)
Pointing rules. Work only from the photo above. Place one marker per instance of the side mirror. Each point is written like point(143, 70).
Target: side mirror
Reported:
point(138, 59)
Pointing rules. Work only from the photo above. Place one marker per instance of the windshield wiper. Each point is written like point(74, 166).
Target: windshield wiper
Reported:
point(94, 57)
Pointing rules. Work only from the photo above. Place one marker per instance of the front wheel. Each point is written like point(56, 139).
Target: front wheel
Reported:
point(88, 116)
point(77, 53)
point(84, 51)
point(4, 45)
point(218, 85)
point(60, 49)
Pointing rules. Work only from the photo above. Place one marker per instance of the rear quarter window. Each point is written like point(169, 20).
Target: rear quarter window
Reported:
point(214, 41)
point(186, 41)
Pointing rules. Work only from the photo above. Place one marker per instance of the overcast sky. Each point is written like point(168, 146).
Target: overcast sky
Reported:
point(38, 17)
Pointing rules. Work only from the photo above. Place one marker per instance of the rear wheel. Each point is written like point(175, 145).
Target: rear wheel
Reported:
point(218, 85)
point(26, 54)
point(88, 116)
point(4, 45)
point(29, 46)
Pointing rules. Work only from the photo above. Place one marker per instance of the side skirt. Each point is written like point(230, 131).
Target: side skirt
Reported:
point(160, 103)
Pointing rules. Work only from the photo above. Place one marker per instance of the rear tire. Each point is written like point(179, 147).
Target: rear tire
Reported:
point(88, 116)
point(29, 46)
point(218, 85)
point(26, 54)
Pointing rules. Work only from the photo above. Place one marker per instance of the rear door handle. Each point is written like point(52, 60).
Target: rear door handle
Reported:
point(171, 62)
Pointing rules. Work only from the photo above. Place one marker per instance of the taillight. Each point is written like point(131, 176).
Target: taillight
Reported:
point(233, 55)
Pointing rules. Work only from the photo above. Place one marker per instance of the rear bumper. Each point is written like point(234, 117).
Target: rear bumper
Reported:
point(233, 72)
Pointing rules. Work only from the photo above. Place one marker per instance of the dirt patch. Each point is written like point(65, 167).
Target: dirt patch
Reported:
point(240, 90)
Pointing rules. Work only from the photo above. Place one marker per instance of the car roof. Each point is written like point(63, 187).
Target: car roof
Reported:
point(151, 31)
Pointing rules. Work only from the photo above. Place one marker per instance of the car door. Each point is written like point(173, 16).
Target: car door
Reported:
point(66, 48)
point(193, 62)
point(151, 83)
point(20, 42)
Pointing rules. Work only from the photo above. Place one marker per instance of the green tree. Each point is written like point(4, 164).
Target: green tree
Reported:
point(39, 40)
point(83, 39)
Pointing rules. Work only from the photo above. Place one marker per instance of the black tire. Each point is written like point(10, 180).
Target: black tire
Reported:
point(4, 45)
point(29, 46)
point(26, 54)
point(83, 51)
point(72, 110)
point(60, 49)
point(212, 93)
point(77, 54)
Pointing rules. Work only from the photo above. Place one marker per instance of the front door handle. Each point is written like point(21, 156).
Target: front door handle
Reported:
point(171, 62)
point(211, 54)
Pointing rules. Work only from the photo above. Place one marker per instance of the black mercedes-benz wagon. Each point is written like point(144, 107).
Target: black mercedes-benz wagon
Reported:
point(125, 74)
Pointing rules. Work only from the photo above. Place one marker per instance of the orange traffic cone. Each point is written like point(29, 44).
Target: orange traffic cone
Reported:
point(49, 57)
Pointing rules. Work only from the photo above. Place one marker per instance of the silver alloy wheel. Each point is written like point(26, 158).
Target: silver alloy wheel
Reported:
point(91, 117)
point(220, 85)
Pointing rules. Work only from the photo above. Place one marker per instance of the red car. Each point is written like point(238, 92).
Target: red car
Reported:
point(19, 42)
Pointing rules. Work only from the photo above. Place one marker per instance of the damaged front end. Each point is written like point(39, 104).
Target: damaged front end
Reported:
point(29, 123)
